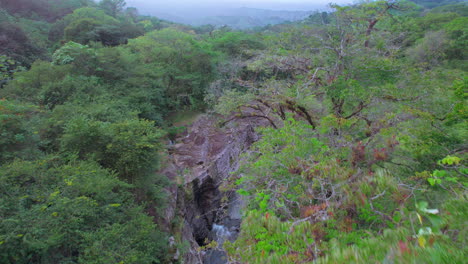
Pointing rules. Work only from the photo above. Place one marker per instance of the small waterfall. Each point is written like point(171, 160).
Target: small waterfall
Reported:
point(221, 233)
point(206, 155)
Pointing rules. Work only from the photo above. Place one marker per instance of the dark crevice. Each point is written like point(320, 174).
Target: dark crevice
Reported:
point(207, 202)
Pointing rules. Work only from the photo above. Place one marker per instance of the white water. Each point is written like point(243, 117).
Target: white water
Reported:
point(222, 233)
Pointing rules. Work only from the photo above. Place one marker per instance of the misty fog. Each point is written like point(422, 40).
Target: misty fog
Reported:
point(220, 4)
point(198, 12)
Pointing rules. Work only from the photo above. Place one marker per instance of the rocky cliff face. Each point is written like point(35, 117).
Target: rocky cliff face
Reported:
point(200, 161)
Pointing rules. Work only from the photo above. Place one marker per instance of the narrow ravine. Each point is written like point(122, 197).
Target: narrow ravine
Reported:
point(201, 160)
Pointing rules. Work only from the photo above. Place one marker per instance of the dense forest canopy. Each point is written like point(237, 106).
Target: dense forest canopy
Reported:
point(362, 158)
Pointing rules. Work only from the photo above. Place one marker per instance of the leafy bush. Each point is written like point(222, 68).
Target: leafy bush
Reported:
point(130, 147)
point(57, 212)
point(237, 44)
point(17, 137)
point(266, 239)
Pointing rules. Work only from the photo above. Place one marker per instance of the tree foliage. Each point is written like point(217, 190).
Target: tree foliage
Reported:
point(361, 115)
point(75, 212)
point(354, 129)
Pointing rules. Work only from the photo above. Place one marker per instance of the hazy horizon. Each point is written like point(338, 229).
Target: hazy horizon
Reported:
point(198, 12)
point(299, 5)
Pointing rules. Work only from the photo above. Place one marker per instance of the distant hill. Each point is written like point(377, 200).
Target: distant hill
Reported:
point(243, 18)
point(238, 18)
point(436, 3)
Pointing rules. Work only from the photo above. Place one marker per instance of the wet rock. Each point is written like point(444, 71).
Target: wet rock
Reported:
point(205, 156)
point(215, 257)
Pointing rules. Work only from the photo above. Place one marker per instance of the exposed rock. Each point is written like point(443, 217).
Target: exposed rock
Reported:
point(215, 257)
point(200, 161)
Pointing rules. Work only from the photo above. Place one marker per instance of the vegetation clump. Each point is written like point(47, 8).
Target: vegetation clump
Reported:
point(362, 158)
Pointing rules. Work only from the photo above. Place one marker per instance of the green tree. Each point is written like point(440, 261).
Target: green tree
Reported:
point(81, 31)
point(49, 10)
point(15, 44)
point(431, 50)
point(30, 85)
point(183, 66)
point(75, 212)
point(81, 25)
point(130, 147)
point(17, 130)
point(112, 7)
point(8, 67)
point(458, 35)
point(236, 43)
